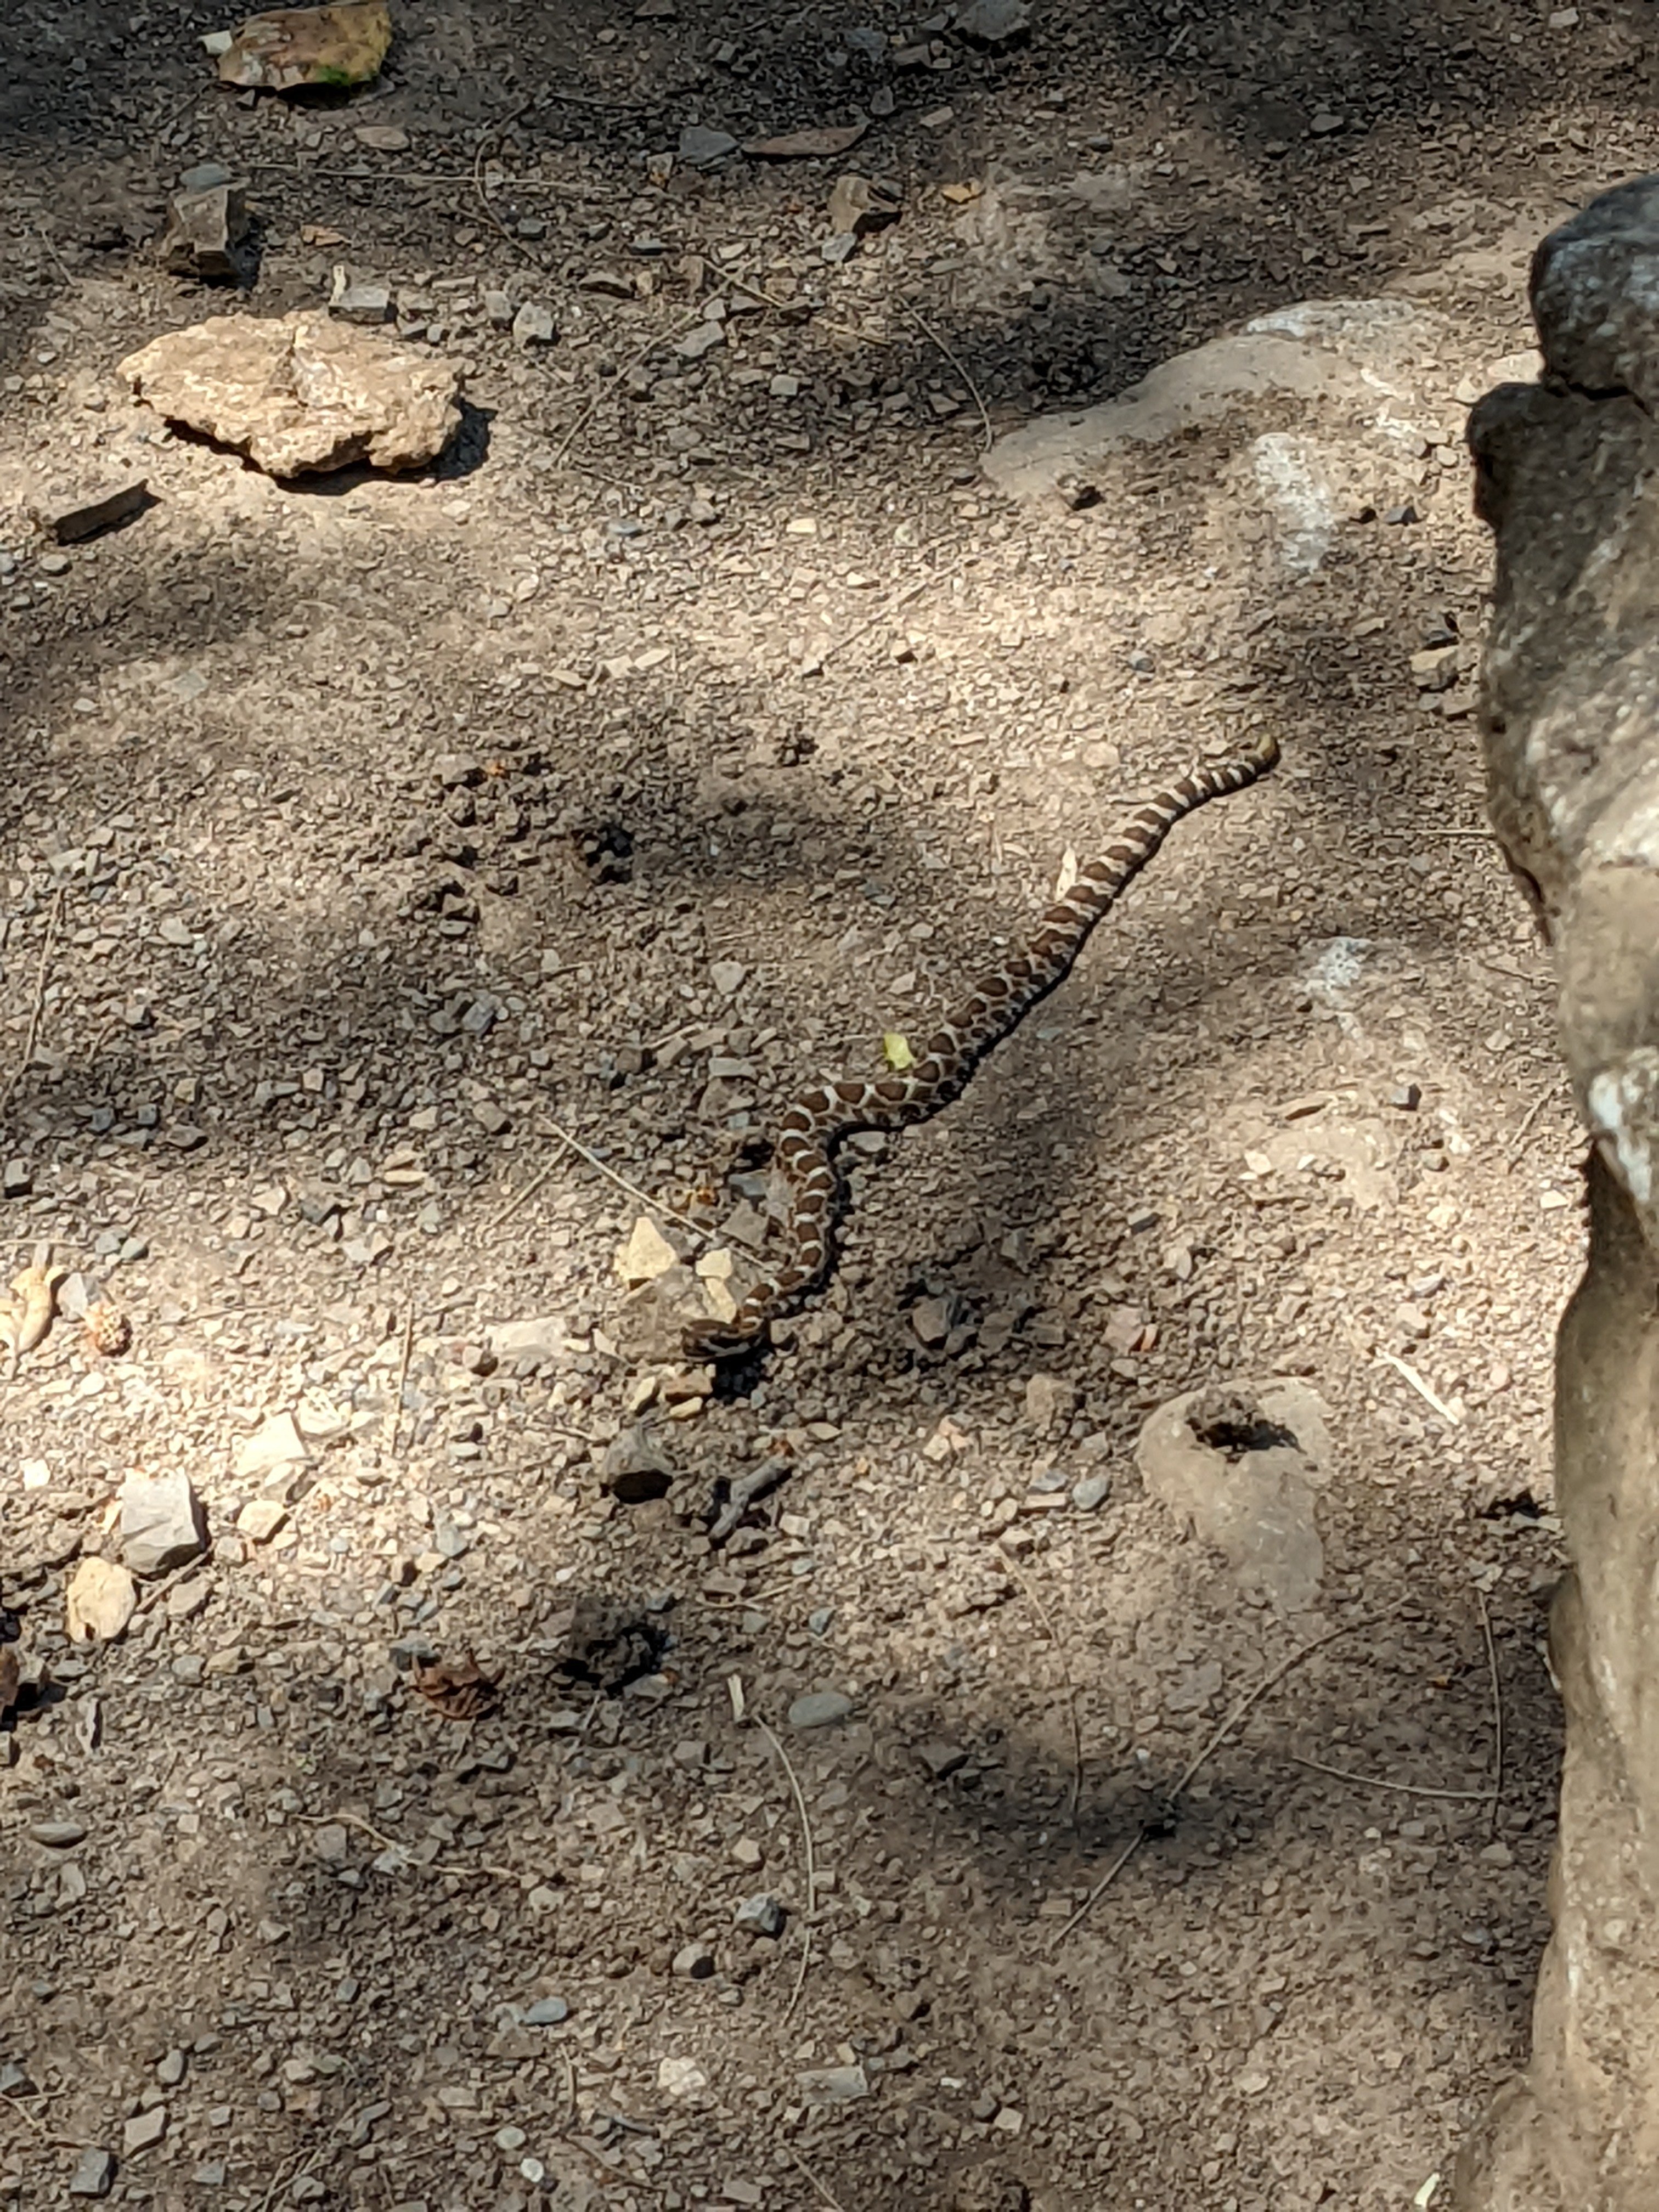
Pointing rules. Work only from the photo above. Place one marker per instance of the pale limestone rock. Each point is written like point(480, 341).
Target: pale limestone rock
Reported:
point(301, 394)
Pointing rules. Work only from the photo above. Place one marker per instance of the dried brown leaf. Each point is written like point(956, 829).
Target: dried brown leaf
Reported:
point(459, 1689)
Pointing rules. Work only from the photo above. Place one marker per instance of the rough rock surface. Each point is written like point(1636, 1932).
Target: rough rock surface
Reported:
point(1242, 1465)
point(1571, 691)
point(301, 394)
point(1354, 372)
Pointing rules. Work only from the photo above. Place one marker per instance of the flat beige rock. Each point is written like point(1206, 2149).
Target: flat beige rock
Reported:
point(99, 1602)
point(301, 394)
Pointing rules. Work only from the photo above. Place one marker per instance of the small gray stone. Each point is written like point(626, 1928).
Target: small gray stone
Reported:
point(144, 2129)
point(533, 324)
point(71, 520)
point(16, 1179)
point(524, 1346)
point(160, 1523)
point(207, 230)
point(930, 1319)
point(93, 2174)
point(15, 2081)
point(696, 342)
point(170, 2069)
point(498, 310)
point(819, 1709)
point(369, 304)
point(331, 1843)
point(58, 1835)
point(699, 144)
point(546, 2012)
point(760, 1915)
point(694, 1962)
point(1091, 1492)
point(942, 1760)
point(993, 22)
point(834, 2085)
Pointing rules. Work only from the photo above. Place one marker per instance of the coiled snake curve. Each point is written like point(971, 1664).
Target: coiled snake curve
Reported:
point(820, 1118)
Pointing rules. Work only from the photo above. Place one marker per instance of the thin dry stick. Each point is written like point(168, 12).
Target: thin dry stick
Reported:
point(1377, 1782)
point(1250, 1698)
point(1038, 1607)
point(811, 1864)
point(833, 2202)
point(1423, 1389)
point(403, 1377)
point(523, 1197)
point(672, 1213)
point(644, 353)
point(988, 436)
point(820, 321)
point(1531, 1114)
point(33, 1035)
point(1497, 1710)
point(814, 661)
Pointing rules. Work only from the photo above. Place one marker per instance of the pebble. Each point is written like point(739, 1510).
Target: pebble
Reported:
point(931, 1320)
point(533, 324)
point(16, 1179)
point(498, 310)
point(834, 2085)
point(727, 977)
point(698, 144)
point(1091, 1493)
point(1049, 1401)
point(144, 2130)
point(70, 520)
point(170, 2069)
point(819, 1709)
point(993, 22)
point(368, 304)
point(546, 2012)
point(160, 1523)
point(276, 1442)
point(58, 1835)
point(942, 1760)
point(761, 1914)
point(524, 1346)
point(681, 2077)
point(92, 2174)
point(694, 1962)
point(701, 340)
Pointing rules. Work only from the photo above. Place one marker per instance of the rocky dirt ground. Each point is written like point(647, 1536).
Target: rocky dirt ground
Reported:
point(715, 707)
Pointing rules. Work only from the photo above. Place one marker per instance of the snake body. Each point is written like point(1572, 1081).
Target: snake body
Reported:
point(818, 1121)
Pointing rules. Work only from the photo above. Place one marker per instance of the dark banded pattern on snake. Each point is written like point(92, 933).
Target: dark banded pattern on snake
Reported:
point(820, 1118)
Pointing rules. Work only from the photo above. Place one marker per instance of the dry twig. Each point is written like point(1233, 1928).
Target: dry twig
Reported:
point(1377, 1782)
point(1519, 1138)
point(1049, 1631)
point(662, 338)
point(812, 1862)
point(1250, 1698)
point(403, 1378)
point(987, 435)
point(795, 2156)
point(1426, 1391)
point(33, 1035)
point(670, 1212)
point(1497, 1709)
point(522, 1198)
